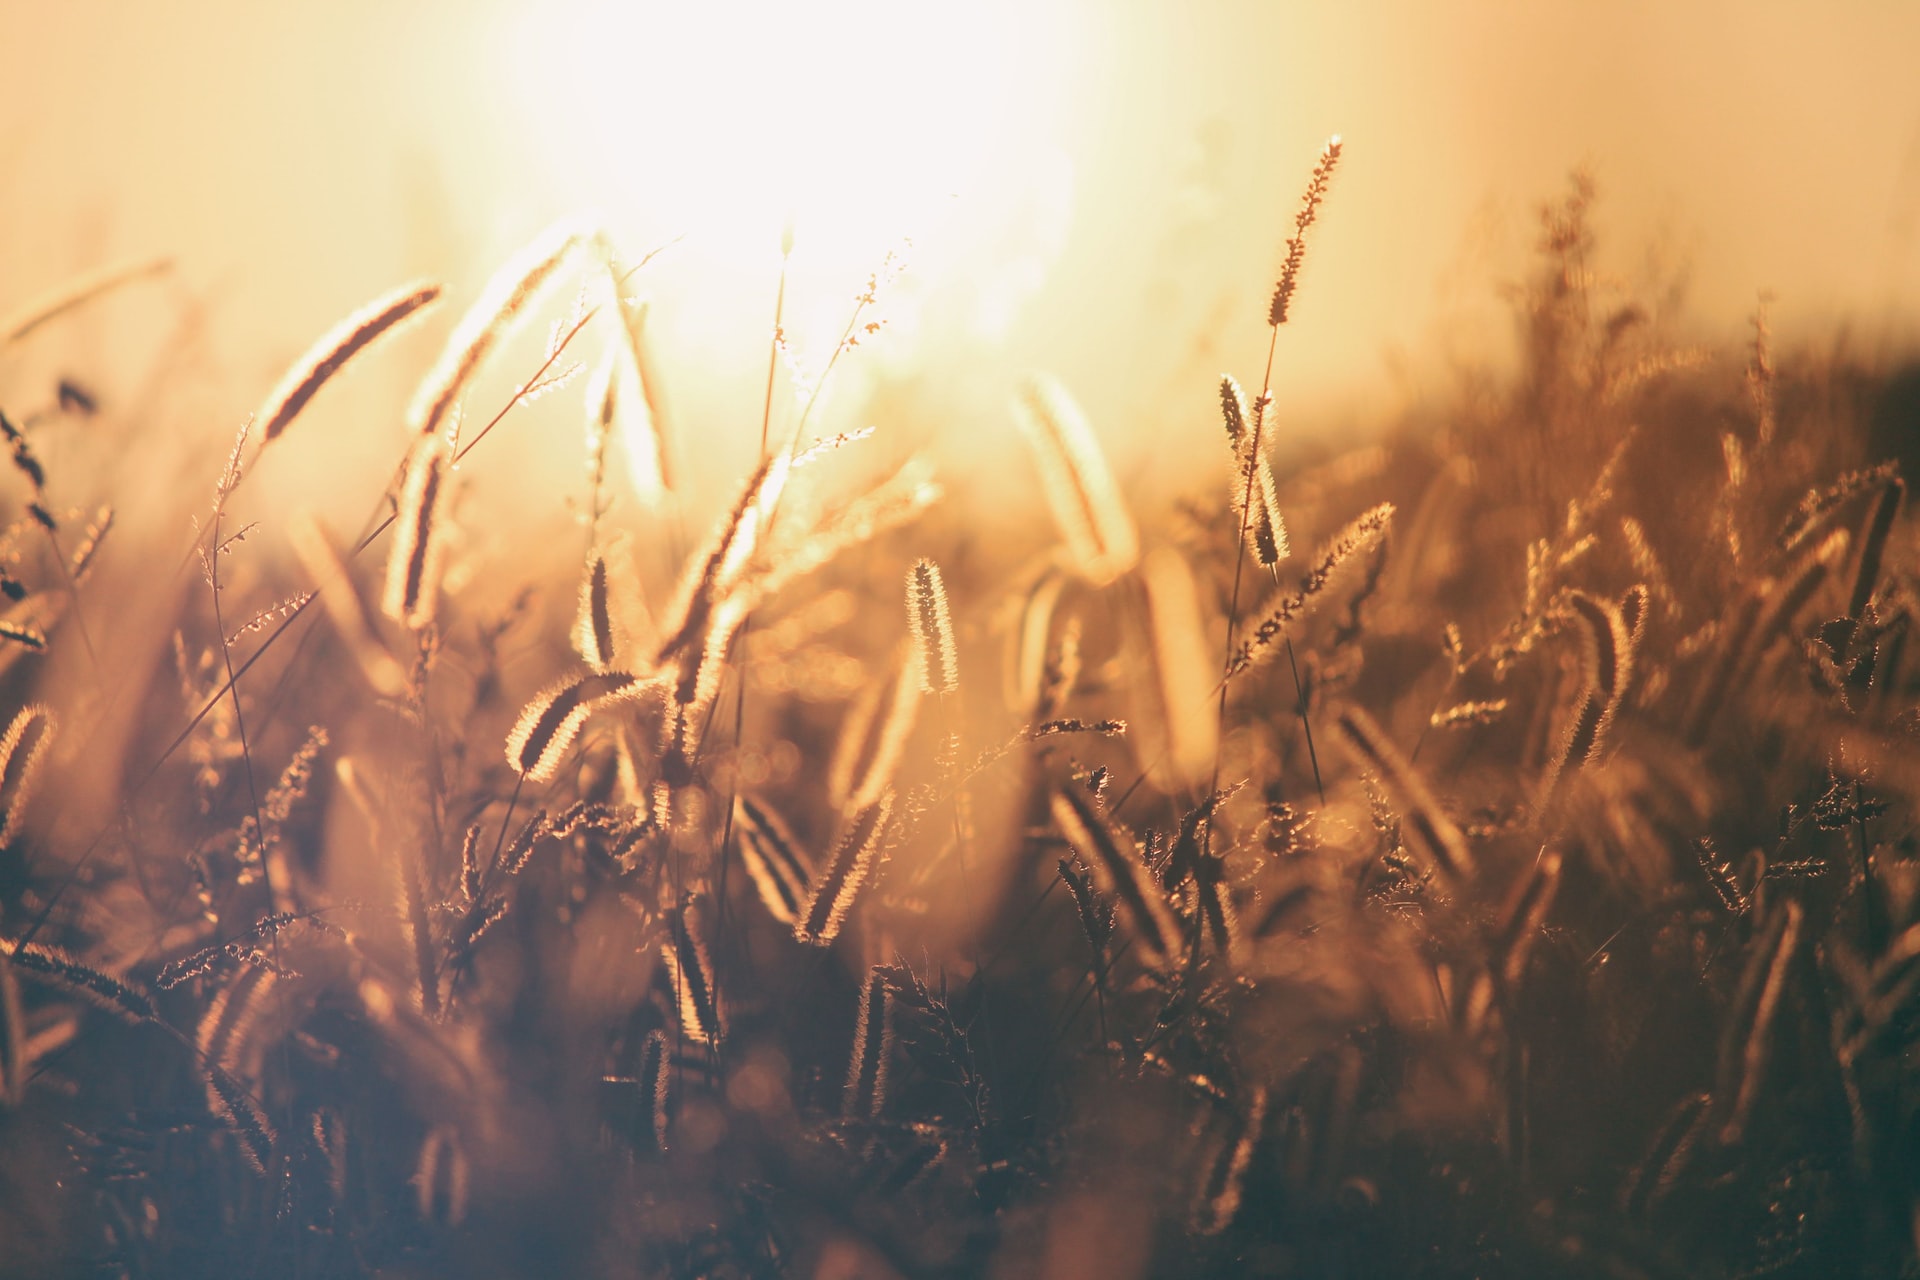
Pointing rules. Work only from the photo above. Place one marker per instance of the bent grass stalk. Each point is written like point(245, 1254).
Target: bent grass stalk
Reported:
point(1277, 312)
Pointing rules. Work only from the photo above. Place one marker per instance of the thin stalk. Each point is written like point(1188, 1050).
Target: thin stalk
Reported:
point(968, 901)
point(746, 626)
point(1306, 725)
point(527, 385)
point(500, 842)
point(1240, 544)
point(73, 593)
point(253, 790)
point(1870, 898)
point(1100, 992)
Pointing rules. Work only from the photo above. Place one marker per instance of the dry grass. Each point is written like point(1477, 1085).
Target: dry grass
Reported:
point(756, 919)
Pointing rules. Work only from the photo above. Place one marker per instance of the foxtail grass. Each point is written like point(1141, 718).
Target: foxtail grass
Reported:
point(1092, 517)
point(352, 335)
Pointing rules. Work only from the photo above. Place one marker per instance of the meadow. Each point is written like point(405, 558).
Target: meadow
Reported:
point(1484, 849)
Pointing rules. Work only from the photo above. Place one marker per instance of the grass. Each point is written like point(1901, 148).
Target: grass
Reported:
point(1550, 911)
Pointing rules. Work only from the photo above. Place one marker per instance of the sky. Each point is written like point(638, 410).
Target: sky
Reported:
point(1097, 189)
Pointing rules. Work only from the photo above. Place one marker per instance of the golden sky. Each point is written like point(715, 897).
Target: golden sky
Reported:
point(1096, 187)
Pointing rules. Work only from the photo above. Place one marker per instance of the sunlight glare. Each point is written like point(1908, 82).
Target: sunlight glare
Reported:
point(861, 123)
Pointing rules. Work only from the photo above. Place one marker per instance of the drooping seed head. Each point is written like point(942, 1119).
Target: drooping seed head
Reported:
point(1086, 503)
point(690, 971)
point(549, 724)
point(593, 632)
point(506, 295)
point(866, 1091)
point(338, 345)
point(413, 562)
point(773, 859)
point(22, 753)
point(847, 872)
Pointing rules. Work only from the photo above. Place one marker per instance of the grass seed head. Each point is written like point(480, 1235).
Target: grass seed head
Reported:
point(1080, 490)
point(419, 537)
point(932, 627)
point(313, 370)
point(499, 305)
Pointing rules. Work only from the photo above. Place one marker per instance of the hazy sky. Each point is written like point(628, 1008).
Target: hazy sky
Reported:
point(1100, 187)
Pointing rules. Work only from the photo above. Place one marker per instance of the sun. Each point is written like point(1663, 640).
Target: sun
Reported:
point(857, 123)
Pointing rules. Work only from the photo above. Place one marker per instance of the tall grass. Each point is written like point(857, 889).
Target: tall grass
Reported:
point(406, 944)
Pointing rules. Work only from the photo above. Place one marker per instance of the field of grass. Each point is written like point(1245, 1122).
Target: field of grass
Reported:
point(1487, 850)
